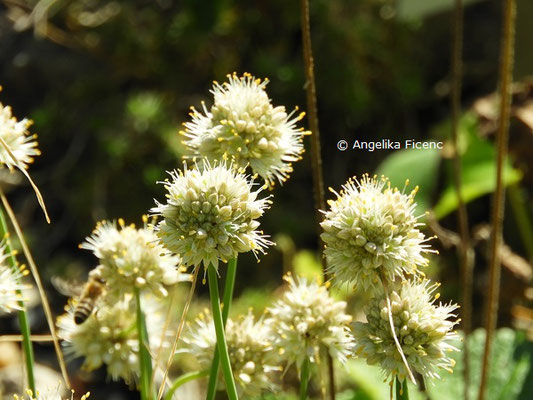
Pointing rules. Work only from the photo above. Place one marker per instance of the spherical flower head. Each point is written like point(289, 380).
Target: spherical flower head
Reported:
point(210, 215)
point(371, 234)
point(306, 320)
point(109, 337)
point(249, 349)
point(52, 393)
point(10, 284)
point(131, 257)
point(21, 144)
point(245, 127)
point(423, 329)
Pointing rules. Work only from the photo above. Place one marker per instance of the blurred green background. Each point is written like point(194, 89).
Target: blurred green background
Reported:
point(108, 84)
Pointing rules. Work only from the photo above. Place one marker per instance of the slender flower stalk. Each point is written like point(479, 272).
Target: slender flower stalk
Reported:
point(498, 204)
point(227, 298)
point(222, 346)
point(304, 379)
point(402, 392)
point(316, 154)
point(182, 380)
point(36, 276)
point(145, 361)
point(22, 315)
point(465, 250)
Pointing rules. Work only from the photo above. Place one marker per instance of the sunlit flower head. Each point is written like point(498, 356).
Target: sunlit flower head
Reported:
point(371, 233)
point(16, 137)
point(52, 393)
point(243, 126)
point(109, 336)
point(10, 284)
point(423, 328)
point(307, 320)
point(249, 348)
point(131, 257)
point(210, 215)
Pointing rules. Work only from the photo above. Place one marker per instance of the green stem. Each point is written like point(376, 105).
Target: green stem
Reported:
point(182, 380)
point(23, 316)
point(221, 339)
point(401, 390)
point(304, 379)
point(145, 362)
point(228, 295)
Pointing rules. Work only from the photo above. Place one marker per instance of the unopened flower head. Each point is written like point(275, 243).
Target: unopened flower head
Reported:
point(306, 320)
point(371, 233)
point(243, 126)
point(109, 336)
point(131, 257)
point(14, 134)
point(249, 350)
point(10, 284)
point(423, 329)
point(211, 214)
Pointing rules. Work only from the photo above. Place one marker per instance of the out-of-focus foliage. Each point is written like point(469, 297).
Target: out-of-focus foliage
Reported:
point(421, 167)
point(509, 377)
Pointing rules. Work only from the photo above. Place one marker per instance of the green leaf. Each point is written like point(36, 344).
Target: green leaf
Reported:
point(419, 166)
point(478, 169)
point(509, 376)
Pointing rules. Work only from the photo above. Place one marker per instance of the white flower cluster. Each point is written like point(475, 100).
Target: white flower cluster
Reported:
point(210, 215)
point(131, 257)
point(373, 241)
point(422, 327)
point(14, 133)
point(10, 284)
point(244, 127)
point(52, 393)
point(109, 336)
point(306, 320)
point(370, 232)
point(249, 348)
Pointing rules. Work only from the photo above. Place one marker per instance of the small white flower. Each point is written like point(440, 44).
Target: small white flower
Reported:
point(15, 135)
point(210, 215)
point(306, 320)
point(10, 284)
point(131, 257)
point(244, 127)
point(423, 329)
point(109, 336)
point(371, 233)
point(249, 349)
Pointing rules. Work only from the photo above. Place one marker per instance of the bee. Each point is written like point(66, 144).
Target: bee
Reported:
point(87, 294)
point(87, 301)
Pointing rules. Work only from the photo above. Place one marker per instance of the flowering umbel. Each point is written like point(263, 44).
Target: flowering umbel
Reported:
point(249, 349)
point(10, 284)
point(424, 331)
point(210, 215)
point(52, 393)
point(371, 233)
point(131, 257)
point(109, 337)
point(306, 320)
point(244, 127)
point(14, 134)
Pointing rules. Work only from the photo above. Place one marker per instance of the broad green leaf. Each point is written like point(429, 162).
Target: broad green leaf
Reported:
point(419, 166)
point(509, 375)
point(478, 170)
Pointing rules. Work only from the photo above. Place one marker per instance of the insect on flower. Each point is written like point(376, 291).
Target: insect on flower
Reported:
point(87, 294)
